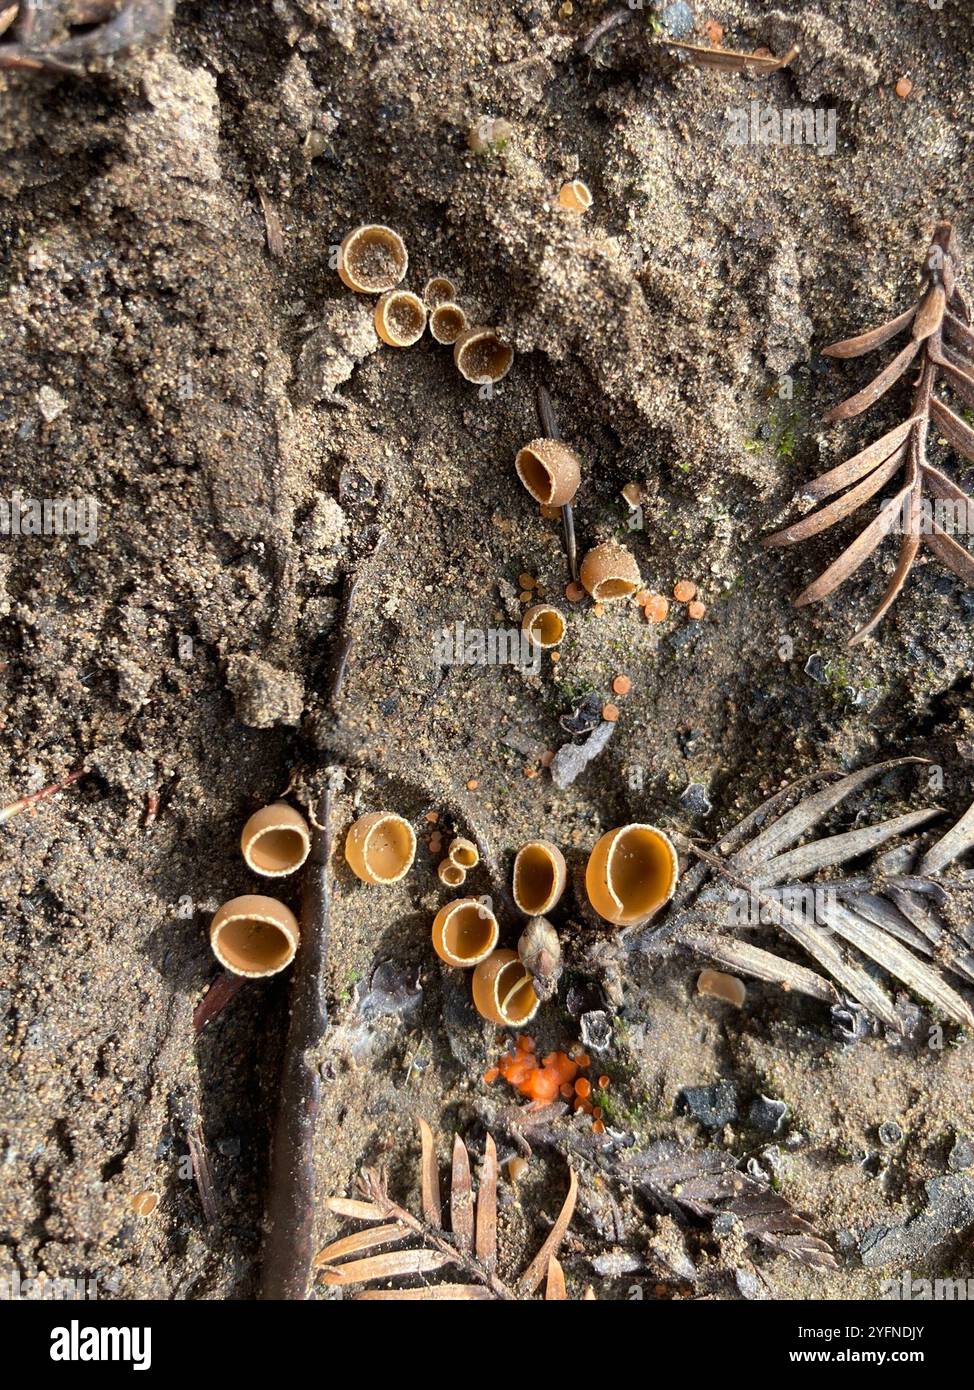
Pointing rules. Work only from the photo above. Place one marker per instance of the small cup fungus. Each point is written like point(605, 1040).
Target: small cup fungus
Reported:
point(372, 259)
point(465, 932)
point(630, 874)
point(400, 318)
point(447, 322)
point(451, 874)
point(380, 847)
point(610, 572)
point(439, 290)
point(491, 133)
point(254, 936)
point(549, 470)
point(544, 625)
point(276, 840)
point(575, 195)
point(464, 852)
point(481, 355)
point(503, 991)
point(539, 877)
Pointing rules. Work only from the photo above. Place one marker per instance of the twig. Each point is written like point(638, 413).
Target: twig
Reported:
point(25, 802)
point(374, 1188)
point(216, 999)
point(549, 424)
point(201, 1171)
point(288, 1248)
point(615, 20)
point(137, 24)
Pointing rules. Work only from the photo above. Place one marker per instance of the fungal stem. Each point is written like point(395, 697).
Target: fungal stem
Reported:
point(288, 1247)
point(26, 802)
point(551, 430)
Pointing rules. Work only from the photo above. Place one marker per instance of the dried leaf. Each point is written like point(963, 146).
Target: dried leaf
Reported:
point(555, 1290)
point(359, 1241)
point(856, 554)
point(959, 332)
point(930, 314)
point(874, 338)
point(486, 1245)
point(952, 554)
point(894, 442)
point(958, 839)
point(838, 849)
point(842, 507)
point(538, 1268)
point(730, 60)
point(388, 1266)
point(909, 547)
point(880, 384)
point(350, 1206)
point(955, 430)
point(763, 965)
point(7, 17)
point(429, 1178)
point(430, 1293)
point(461, 1197)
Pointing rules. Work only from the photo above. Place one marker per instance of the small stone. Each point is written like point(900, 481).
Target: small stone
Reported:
point(695, 800)
point(962, 1154)
point(890, 1132)
point(50, 404)
point(596, 1030)
point(677, 19)
point(711, 1106)
point(768, 1115)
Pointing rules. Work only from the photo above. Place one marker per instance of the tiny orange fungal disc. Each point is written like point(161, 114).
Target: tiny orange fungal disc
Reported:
point(481, 355)
point(447, 322)
point(451, 874)
point(254, 936)
point(503, 991)
point(372, 259)
point(400, 318)
point(630, 874)
point(719, 985)
point(464, 852)
point(544, 625)
point(465, 932)
point(540, 874)
point(380, 847)
point(609, 572)
point(549, 470)
point(439, 290)
point(575, 195)
point(275, 840)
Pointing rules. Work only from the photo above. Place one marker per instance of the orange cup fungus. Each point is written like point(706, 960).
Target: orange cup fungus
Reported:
point(630, 874)
point(465, 932)
point(380, 847)
point(540, 874)
point(481, 355)
point(549, 470)
point(254, 936)
point(503, 991)
point(372, 259)
point(400, 318)
point(543, 625)
point(610, 572)
point(275, 840)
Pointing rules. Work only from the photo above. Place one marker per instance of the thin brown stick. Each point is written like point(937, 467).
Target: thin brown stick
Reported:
point(25, 803)
point(551, 429)
point(288, 1248)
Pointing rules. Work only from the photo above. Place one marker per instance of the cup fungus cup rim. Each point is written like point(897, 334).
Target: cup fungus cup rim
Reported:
point(598, 875)
point(463, 852)
point(492, 1000)
point(580, 201)
point(561, 470)
point(451, 873)
point(532, 619)
point(256, 910)
point(358, 843)
point(441, 925)
point(447, 306)
point(432, 299)
point(278, 819)
point(376, 231)
point(469, 338)
point(559, 877)
point(626, 574)
point(381, 317)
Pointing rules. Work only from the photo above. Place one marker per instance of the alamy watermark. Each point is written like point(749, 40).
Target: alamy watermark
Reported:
point(461, 645)
point(49, 516)
point(904, 1286)
point(765, 907)
point(13, 1289)
point(755, 124)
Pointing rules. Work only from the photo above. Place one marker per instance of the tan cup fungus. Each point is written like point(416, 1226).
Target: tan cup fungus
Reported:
point(610, 572)
point(630, 874)
point(439, 290)
point(544, 625)
point(380, 847)
point(372, 259)
point(464, 852)
point(503, 991)
point(465, 932)
point(489, 134)
point(481, 355)
point(540, 875)
point(450, 874)
point(447, 322)
point(400, 318)
point(254, 936)
point(575, 196)
point(549, 470)
point(276, 840)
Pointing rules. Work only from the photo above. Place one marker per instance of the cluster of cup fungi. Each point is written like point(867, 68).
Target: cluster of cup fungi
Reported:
point(373, 259)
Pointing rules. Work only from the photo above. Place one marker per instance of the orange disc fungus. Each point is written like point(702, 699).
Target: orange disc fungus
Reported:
point(254, 936)
point(631, 872)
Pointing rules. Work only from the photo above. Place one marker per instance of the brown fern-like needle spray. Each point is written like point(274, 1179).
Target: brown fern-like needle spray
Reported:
point(941, 340)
